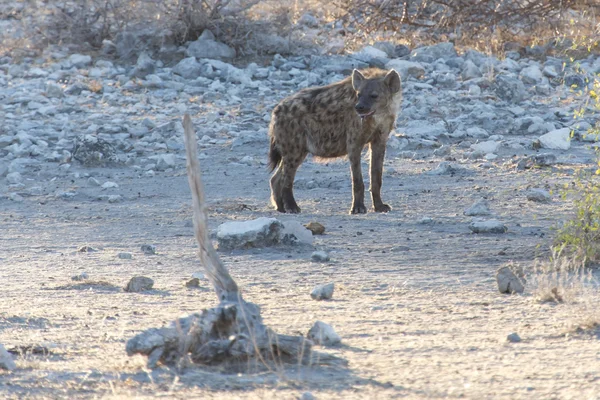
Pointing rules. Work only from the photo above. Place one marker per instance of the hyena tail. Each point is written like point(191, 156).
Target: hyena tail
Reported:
point(274, 155)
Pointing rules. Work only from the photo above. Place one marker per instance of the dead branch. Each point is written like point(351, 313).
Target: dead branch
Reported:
point(231, 331)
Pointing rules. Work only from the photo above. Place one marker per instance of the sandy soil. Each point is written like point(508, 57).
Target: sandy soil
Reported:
point(416, 304)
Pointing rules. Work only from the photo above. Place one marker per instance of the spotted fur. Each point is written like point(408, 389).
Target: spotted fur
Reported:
point(333, 121)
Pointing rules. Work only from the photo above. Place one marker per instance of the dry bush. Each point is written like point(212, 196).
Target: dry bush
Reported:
point(153, 22)
point(470, 20)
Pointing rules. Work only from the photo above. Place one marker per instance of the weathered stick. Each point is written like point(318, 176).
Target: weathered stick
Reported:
point(216, 272)
point(231, 331)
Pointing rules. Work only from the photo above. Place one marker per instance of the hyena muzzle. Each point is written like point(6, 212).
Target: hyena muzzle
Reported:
point(334, 121)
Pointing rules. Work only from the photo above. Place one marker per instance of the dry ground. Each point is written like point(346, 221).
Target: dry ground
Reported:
point(415, 304)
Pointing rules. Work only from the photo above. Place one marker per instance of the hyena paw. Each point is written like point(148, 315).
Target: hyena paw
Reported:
point(384, 208)
point(358, 209)
point(292, 210)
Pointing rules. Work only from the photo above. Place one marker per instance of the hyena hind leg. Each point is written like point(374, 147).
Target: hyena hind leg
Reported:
point(276, 189)
point(290, 166)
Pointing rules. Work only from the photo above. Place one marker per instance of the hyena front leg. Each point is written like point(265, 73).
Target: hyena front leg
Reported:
point(377, 148)
point(358, 186)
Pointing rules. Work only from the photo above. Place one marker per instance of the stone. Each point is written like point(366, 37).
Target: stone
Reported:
point(559, 139)
point(513, 338)
point(429, 54)
point(401, 50)
point(509, 89)
point(322, 292)
point(188, 68)
point(14, 178)
point(144, 66)
point(93, 151)
point(490, 146)
point(125, 256)
point(81, 277)
point(79, 60)
point(576, 81)
point(261, 232)
point(294, 233)
point(323, 334)
point(446, 168)
point(510, 279)
point(319, 256)
point(307, 19)
point(193, 283)
point(148, 249)
point(487, 226)
point(209, 48)
point(406, 69)
point(531, 75)
point(307, 396)
point(6, 361)
point(139, 284)
point(479, 208)
point(539, 196)
point(470, 71)
point(109, 185)
point(54, 91)
point(537, 160)
point(315, 227)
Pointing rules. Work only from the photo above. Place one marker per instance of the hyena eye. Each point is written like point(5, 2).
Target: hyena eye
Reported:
point(374, 95)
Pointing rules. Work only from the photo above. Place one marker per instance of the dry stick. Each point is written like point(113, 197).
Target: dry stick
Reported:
point(216, 272)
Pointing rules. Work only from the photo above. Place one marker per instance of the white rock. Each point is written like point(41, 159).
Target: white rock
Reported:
point(323, 334)
point(109, 185)
point(489, 146)
point(14, 178)
point(510, 279)
point(79, 60)
point(261, 232)
point(539, 196)
point(531, 75)
point(480, 207)
point(406, 68)
point(322, 292)
point(489, 226)
point(294, 233)
point(6, 361)
point(319, 256)
point(559, 139)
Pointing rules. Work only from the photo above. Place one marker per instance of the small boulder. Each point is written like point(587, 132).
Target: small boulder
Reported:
point(513, 338)
point(539, 196)
point(558, 139)
point(294, 233)
point(487, 226)
point(510, 279)
point(139, 284)
point(6, 361)
point(261, 232)
point(148, 249)
point(209, 48)
point(323, 334)
point(480, 207)
point(322, 292)
point(320, 256)
point(406, 68)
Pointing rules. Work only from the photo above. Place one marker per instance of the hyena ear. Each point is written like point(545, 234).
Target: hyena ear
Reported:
point(357, 79)
point(392, 79)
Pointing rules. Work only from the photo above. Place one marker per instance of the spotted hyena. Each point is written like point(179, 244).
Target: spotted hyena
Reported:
point(334, 121)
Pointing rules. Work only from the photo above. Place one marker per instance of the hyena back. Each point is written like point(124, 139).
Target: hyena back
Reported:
point(334, 121)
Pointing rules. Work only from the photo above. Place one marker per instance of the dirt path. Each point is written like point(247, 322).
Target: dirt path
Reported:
point(416, 302)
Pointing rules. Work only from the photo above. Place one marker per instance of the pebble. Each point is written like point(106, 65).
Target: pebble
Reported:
point(322, 292)
point(139, 284)
point(6, 361)
point(319, 256)
point(513, 338)
point(148, 249)
point(323, 334)
point(487, 226)
point(539, 196)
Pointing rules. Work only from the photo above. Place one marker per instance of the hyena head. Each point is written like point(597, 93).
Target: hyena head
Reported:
point(375, 94)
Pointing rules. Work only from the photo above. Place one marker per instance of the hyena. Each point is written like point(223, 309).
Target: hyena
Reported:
point(334, 121)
